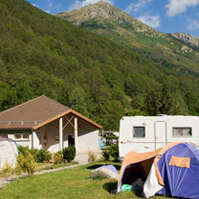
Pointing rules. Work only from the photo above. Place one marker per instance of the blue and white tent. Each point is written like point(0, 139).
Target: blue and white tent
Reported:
point(8, 152)
point(172, 171)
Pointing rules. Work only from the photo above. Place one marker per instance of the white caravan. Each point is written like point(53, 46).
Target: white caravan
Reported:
point(148, 133)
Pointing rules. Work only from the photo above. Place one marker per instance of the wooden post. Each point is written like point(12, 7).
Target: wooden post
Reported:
point(61, 134)
point(76, 133)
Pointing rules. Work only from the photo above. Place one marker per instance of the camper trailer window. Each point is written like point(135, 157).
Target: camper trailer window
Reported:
point(139, 131)
point(182, 132)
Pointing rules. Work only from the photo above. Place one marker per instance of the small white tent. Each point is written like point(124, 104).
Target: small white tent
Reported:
point(8, 152)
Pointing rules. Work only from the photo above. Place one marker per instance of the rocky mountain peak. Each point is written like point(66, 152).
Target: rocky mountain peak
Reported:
point(187, 38)
point(103, 12)
point(100, 11)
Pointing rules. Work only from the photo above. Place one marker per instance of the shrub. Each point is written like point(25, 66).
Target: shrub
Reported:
point(6, 168)
point(91, 156)
point(26, 162)
point(69, 153)
point(58, 157)
point(23, 149)
point(106, 154)
point(34, 153)
point(114, 152)
point(42, 155)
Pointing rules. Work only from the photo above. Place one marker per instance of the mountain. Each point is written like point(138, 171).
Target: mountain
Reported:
point(187, 38)
point(43, 54)
point(114, 24)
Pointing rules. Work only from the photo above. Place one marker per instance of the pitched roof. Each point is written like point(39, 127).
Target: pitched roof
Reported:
point(36, 113)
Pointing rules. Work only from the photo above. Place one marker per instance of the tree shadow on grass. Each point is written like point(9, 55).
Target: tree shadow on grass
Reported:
point(138, 193)
point(95, 166)
point(110, 187)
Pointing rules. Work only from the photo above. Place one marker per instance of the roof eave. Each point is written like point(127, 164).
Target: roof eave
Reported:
point(66, 113)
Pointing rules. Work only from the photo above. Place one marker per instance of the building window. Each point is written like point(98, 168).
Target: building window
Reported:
point(57, 138)
point(182, 132)
point(25, 136)
point(17, 136)
point(4, 135)
point(21, 136)
point(139, 132)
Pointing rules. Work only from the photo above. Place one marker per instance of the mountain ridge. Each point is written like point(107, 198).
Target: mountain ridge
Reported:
point(187, 38)
point(104, 19)
point(103, 10)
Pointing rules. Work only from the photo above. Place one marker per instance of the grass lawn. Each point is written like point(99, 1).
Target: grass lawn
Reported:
point(8, 172)
point(67, 184)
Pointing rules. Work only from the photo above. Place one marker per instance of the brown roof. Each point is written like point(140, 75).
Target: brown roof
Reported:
point(36, 113)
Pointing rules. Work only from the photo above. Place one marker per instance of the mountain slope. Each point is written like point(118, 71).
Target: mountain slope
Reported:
point(187, 38)
point(42, 54)
point(105, 19)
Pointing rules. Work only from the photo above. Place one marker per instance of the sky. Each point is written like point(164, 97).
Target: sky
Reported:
point(164, 15)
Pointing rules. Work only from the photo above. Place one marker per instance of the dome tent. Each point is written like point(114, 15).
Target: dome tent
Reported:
point(171, 171)
point(8, 152)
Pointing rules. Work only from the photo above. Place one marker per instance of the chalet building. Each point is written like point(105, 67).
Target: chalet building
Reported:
point(45, 123)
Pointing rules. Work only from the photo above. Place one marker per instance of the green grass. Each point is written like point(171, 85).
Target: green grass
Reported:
point(9, 172)
point(67, 184)
point(47, 166)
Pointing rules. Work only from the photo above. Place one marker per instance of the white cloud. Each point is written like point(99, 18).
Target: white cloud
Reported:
point(89, 2)
point(52, 7)
point(136, 6)
point(153, 21)
point(193, 24)
point(175, 7)
point(47, 11)
point(78, 4)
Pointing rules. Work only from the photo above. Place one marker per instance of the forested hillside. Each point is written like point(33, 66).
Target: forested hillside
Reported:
point(42, 54)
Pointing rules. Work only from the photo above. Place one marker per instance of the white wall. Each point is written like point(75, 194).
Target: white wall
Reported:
point(23, 142)
point(88, 136)
point(127, 142)
point(45, 137)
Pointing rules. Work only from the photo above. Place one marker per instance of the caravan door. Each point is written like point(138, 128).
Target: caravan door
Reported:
point(160, 134)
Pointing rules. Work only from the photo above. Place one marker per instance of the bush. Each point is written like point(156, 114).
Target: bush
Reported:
point(40, 155)
point(22, 149)
point(69, 153)
point(106, 154)
point(43, 155)
point(26, 162)
point(91, 157)
point(58, 157)
point(34, 153)
point(6, 168)
point(114, 152)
